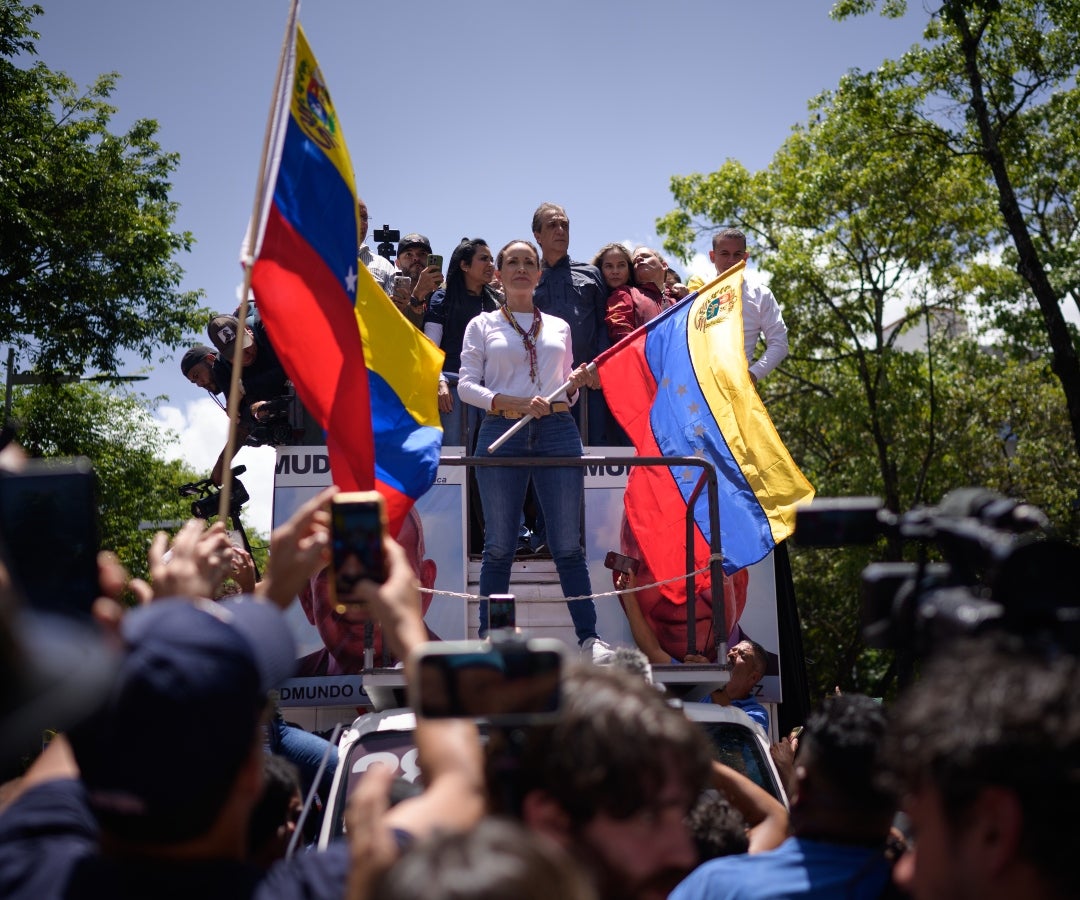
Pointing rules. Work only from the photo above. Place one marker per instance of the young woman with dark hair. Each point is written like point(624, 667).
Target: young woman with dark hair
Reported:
point(630, 307)
point(616, 265)
point(466, 294)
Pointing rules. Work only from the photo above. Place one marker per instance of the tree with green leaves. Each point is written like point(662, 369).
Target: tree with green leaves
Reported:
point(119, 436)
point(87, 245)
point(995, 81)
point(861, 245)
point(869, 241)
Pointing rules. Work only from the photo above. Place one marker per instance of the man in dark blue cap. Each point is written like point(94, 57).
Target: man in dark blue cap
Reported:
point(170, 768)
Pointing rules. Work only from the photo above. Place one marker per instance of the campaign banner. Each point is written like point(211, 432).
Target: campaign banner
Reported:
point(330, 644)
point(436, 541)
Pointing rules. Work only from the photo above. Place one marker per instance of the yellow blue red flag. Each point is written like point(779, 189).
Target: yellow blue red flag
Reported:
point(679, 386)
point(376, 398)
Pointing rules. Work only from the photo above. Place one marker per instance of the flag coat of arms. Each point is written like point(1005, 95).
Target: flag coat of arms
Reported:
point(366, 375)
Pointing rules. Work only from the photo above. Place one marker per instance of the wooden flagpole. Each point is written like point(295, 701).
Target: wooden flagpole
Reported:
point(225, 496)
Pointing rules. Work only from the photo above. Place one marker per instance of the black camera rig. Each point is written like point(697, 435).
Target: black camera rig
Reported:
point(275, 425)
point(387, 237)
point(207, 492)
point(999, 569)
point(208, 501)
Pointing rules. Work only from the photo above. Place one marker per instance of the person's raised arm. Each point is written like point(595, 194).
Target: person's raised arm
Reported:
point(298, 549)
point(783, 754)
point(197, 563)
point(450, 754)
point(372, 849)
point(765, 815)
point(643, 635)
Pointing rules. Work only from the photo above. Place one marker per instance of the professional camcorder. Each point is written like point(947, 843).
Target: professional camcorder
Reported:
point(274, 425)
point(207, 492)
point(999, 569)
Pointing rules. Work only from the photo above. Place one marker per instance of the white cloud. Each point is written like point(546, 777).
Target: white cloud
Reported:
point(199, 435)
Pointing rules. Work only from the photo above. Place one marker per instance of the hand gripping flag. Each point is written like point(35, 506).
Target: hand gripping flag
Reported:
point(679, 386)
point(365, 374)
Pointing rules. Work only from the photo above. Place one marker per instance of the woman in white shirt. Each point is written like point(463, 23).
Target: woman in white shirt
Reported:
point(511, 359)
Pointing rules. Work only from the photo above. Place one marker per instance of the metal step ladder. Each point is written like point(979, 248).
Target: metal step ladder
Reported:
point(541, 609)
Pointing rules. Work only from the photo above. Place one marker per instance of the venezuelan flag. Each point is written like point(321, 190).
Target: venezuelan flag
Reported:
point(322, 308)
point(679, 386)
point(403, 380)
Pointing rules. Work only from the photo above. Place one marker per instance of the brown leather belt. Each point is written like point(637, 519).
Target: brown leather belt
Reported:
point(556, 407)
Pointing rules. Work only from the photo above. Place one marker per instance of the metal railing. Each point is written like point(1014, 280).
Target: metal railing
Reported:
point(707, 481)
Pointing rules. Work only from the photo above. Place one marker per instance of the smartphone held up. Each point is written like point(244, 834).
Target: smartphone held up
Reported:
point(49, 524)
point(357, 528)
point(502, 612)
point(511, 682)
point(619, 563)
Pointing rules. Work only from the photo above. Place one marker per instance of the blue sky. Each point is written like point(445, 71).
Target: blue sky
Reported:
point(461, 118)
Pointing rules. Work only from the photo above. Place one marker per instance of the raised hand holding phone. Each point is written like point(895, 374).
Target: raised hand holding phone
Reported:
point(357, 529)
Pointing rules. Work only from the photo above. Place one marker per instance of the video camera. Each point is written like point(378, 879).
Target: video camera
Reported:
point(280, 420)
point(1000, 569)
point(387, 237)
point(207, 492)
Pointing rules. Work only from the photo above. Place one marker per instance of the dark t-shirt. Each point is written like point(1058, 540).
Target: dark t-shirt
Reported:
point(49, 849)
point(454, 316)
point(264, 379)
point(576, 293)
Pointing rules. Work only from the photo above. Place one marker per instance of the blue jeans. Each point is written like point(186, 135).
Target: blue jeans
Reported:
point(305, 751)
point(560, 491)
point(592, 402)
point(460, 424)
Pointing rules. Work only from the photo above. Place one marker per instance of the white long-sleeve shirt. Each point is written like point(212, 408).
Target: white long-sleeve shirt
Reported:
point(494, 359)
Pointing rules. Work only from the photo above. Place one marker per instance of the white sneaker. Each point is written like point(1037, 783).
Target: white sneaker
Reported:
point(597, 650)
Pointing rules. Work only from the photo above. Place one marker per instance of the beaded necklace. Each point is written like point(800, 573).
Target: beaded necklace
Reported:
point(528, 338)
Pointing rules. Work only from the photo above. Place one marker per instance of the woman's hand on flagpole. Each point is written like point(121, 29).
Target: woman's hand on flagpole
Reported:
point(585, 375)
point(528, 417)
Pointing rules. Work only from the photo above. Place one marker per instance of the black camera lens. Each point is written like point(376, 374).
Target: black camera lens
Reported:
point(205, 507)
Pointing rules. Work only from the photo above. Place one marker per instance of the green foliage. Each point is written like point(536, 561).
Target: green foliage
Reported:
point(830, 605)
point(975, 418)
point(126, 446)
point(892, 9)
point(880, 223)
point(995, 82)
point(1002, 425)
point(86, 239)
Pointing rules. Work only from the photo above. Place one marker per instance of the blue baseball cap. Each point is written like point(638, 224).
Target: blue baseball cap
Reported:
point(160, 755)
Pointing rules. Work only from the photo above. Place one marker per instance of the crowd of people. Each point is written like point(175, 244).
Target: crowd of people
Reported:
point(161, 785)
point(600, 302)
point(517, 329)
point(174, 775)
